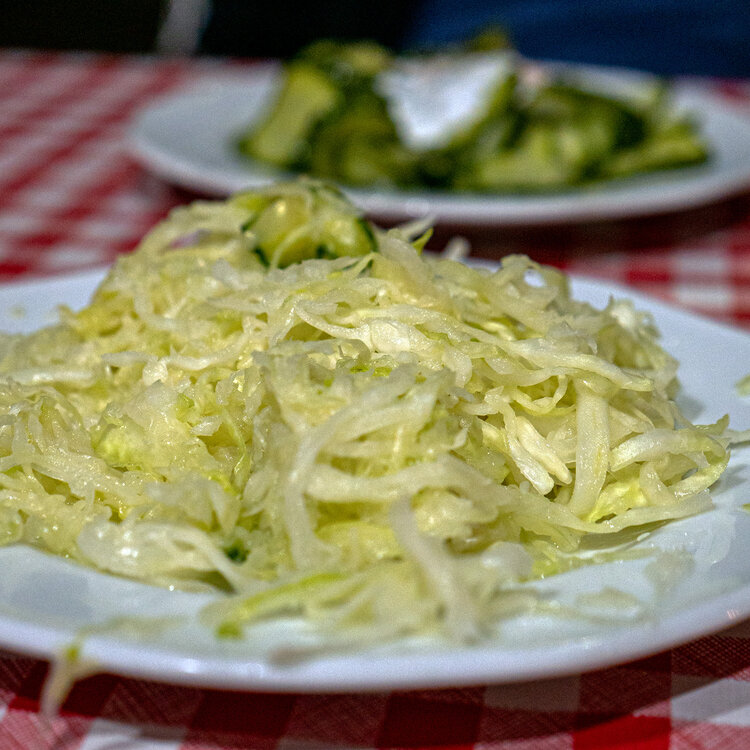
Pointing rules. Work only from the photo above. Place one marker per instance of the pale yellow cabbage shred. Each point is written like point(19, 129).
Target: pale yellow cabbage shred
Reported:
point(385, 444)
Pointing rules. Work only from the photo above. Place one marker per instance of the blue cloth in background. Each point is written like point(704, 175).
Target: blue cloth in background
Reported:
point(691, 37)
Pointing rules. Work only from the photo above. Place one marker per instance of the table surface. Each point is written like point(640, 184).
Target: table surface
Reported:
point(72, 199)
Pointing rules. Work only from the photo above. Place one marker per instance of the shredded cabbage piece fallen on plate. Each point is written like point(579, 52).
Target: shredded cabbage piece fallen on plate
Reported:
point(275, 399)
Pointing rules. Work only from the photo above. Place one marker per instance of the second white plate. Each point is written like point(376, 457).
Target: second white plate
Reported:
point(188, 139)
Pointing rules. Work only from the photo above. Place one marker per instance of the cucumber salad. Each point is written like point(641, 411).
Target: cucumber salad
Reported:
point(277, 401)
point(471, 120)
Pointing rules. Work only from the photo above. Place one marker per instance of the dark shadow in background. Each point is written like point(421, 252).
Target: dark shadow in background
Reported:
point(696, 37)
point(102, 25)
point(280, 28)
point(239, 28)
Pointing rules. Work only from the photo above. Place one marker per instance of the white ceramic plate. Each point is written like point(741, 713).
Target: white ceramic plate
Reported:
point(187, 139)
point(45, 601)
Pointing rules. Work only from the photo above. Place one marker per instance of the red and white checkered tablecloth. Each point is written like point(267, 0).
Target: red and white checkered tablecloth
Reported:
point(70, 199)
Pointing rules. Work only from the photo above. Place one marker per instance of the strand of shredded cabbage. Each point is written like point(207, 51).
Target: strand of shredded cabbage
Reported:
point(384, 444)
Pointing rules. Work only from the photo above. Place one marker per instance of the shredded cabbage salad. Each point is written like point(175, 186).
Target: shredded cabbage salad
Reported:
point(274, 399)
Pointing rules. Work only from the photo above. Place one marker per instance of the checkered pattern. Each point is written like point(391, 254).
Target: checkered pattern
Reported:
point(710, 274)
point(696, 696)
point(70, 198)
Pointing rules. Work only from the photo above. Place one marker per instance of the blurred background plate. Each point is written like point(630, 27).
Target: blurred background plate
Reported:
point(188, 139)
